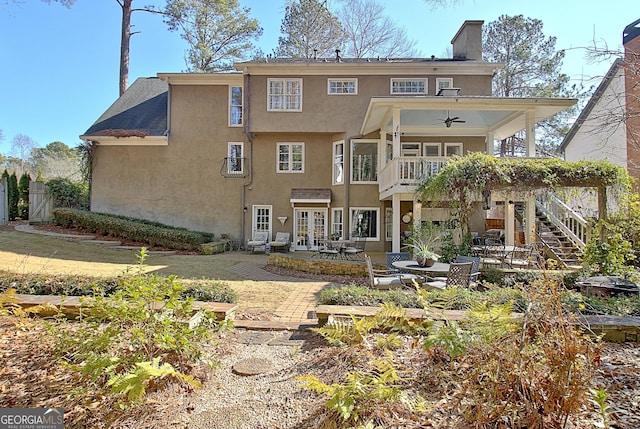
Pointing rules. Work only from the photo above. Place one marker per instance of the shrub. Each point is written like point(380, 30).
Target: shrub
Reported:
point(210, 290)
point(137, 337)
point(68, 194)
point(151, 233)
point(23, 192)
point(77, 285)
point(362, 295)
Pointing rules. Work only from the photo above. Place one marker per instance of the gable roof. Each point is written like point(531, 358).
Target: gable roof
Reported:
point(593, 101)
point(140, 112)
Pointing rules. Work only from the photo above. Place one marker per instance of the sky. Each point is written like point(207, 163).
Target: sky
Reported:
point(59, 67)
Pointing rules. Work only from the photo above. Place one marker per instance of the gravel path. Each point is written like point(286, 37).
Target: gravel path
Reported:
point(272, 399)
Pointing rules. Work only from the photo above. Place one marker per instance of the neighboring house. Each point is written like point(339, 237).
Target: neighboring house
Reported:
point(311, 147)
point(608, 128)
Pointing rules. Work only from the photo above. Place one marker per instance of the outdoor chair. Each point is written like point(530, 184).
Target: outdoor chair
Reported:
point(492, 253)
point(475, 270)
point(521, 258)
point(353, 251)
point(281, 241)
point(395, 257)
point(459, 276)
point(383, 279)
point(259, 240)
point(327, 250)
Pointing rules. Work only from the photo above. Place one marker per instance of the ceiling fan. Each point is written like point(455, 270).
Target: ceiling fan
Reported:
point(450, 120)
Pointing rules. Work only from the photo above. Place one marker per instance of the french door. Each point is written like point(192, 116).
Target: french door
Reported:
point(310, 227)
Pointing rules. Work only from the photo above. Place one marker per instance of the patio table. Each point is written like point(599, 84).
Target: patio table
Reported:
point(413, 267)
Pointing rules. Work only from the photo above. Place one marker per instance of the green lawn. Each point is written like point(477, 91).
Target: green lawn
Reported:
point(22, 253)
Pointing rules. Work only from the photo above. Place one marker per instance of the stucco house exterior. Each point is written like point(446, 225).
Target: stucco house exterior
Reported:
point(311, 147)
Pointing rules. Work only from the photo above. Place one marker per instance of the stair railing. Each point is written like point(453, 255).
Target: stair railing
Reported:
point(572, 225)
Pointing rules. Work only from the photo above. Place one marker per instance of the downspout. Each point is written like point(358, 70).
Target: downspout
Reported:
point(248, 136)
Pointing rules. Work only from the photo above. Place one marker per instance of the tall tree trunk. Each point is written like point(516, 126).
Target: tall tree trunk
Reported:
point(124, 44)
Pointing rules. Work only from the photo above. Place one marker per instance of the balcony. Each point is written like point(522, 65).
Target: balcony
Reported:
point(403, 174)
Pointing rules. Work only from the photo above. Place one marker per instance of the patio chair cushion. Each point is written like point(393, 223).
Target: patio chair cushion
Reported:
point(282, 240)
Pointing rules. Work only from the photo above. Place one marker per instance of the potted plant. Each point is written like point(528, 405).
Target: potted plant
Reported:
point(424, 241)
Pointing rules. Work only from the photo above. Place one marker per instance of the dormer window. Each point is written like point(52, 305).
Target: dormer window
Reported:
point(408, 86)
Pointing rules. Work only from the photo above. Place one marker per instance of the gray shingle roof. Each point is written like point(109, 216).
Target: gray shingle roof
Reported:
point(140, 111)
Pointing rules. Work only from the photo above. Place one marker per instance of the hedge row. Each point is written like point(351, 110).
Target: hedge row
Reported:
point(463, 299)
point(78, 285)
point(152, 233)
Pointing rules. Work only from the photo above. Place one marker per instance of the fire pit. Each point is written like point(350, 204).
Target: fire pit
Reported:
point(608, 286)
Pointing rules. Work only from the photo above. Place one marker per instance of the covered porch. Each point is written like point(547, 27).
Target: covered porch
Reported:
point(418, 135)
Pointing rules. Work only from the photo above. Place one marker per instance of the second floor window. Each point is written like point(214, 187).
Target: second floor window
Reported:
point(338, 162)
point(284, 95)
point(364, 161)
point(290, 158)
point(408, 86)
point(235, 106)
point(235, 161)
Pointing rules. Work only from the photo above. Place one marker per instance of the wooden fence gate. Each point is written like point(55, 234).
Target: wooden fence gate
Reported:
point(40, 203)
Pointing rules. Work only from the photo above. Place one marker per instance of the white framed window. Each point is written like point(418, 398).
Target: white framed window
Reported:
point(389, 151)
point(235, 158)
point(338, 162)
point(235, 106)
point(410, 149)
point(347, 86)
point(290, 158)
point(408, 86)
point(365, 223)
point(261, 219)
point(431, 149)
point(284, 95)
point(337, 222)
point(364, 161)
point(451, 149)
point(443, 82)
point(388, 223)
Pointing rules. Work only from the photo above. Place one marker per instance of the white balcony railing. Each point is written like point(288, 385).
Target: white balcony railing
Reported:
point(574, 226)
point(409, 171)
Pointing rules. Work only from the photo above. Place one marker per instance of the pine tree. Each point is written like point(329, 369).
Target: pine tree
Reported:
point(309, 29)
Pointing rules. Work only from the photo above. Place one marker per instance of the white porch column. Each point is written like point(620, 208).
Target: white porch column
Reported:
point(395, 240)
point(530, 132)
point(509, 224)
point(417, 213)
point(396, 133)
point(530, 207)
point(530, 220)
point(489, 149)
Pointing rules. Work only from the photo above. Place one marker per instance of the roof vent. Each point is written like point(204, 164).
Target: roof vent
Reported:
point(338, 55)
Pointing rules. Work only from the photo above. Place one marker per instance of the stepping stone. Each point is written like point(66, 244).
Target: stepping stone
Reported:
point(102, 242)
point(252, 366)
point(255, 337)
point(288, 339)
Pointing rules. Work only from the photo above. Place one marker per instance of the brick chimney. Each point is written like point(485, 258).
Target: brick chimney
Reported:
point(631, 42)
point(467, 43)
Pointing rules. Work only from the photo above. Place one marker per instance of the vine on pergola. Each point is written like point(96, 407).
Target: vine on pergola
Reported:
point(463, 179)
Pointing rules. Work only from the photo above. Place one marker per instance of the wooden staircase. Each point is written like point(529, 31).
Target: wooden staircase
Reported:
point(556, 244)
point(561, 231)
